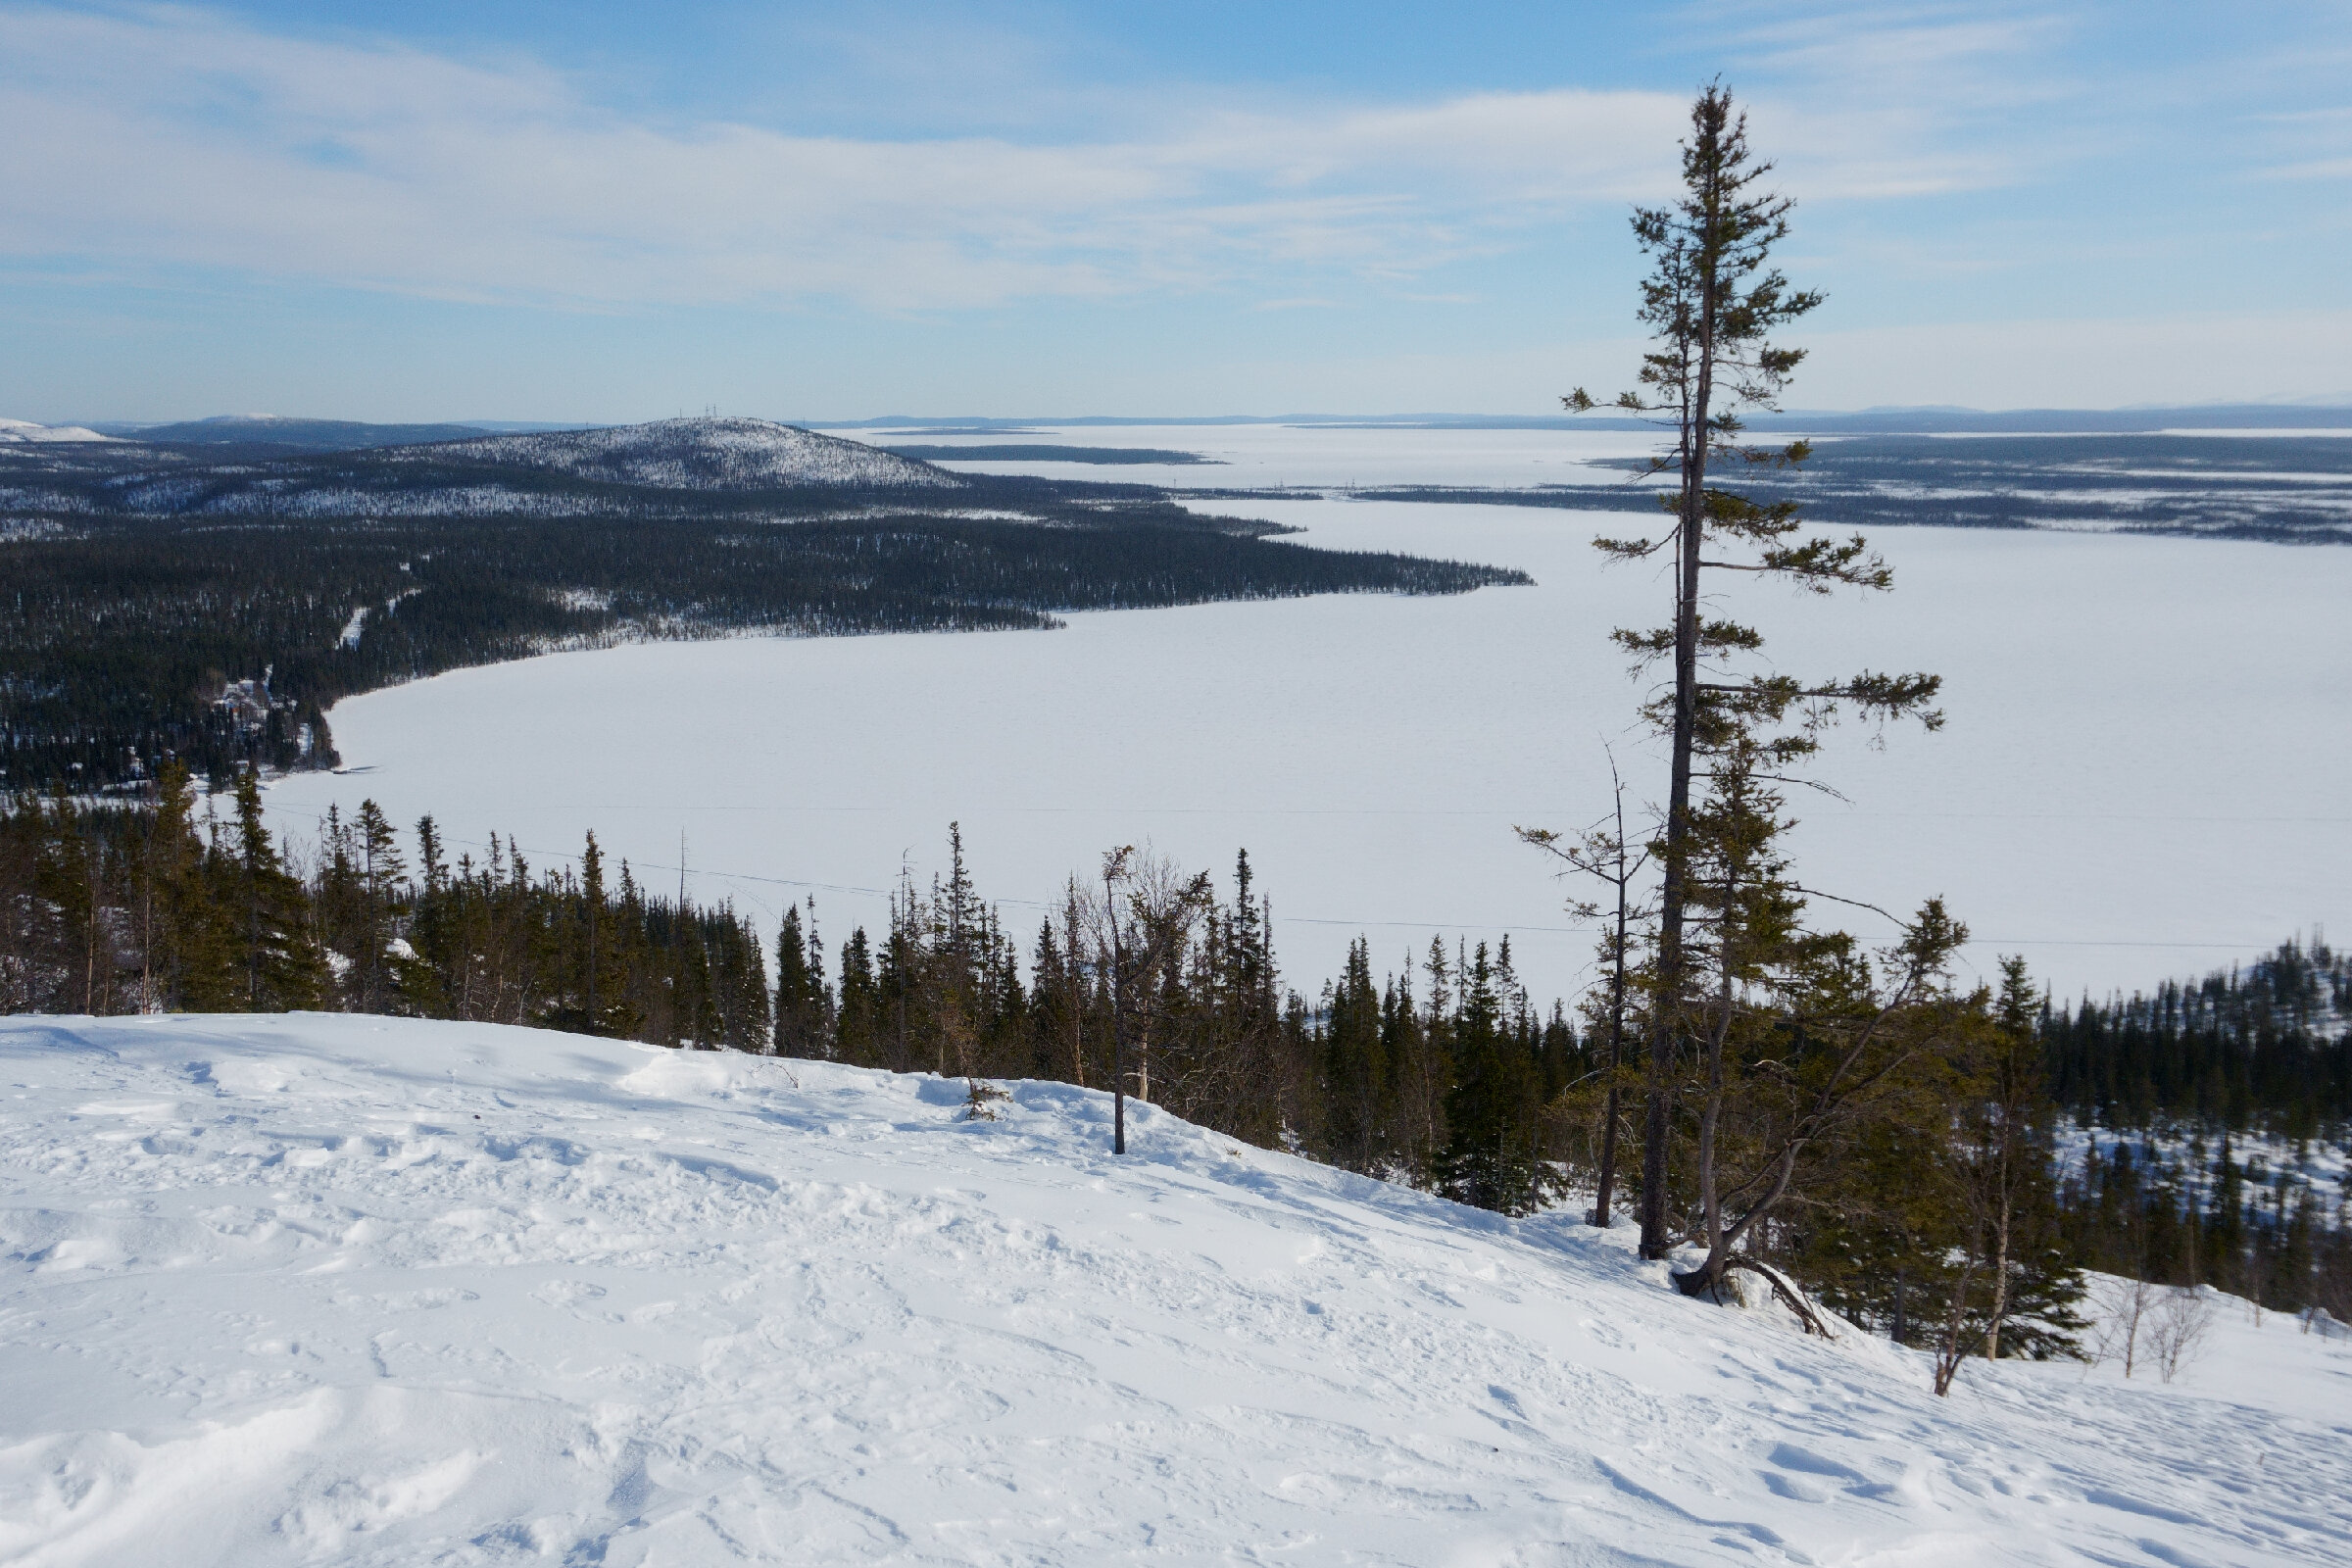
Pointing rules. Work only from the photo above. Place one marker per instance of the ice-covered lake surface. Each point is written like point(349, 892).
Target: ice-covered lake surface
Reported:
point(2141, 776)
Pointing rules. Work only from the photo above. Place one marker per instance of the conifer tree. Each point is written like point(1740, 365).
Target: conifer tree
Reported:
point(1712, 302)
point(430, 928)
point(283, 969)
point(188, 952)
point(381, 871)
point(1494, 1142)
point(856, 1037)
point(1356, 1072)
point(803, 1027)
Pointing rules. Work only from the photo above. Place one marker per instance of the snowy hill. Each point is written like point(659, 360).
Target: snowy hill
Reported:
point(671, 468)
point(337, 1289)
point(24, 432)
point(698, 454)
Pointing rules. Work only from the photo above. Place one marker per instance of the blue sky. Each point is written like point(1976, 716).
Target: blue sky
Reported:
point(583, 211)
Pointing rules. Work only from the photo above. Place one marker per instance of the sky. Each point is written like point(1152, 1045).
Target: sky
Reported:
point(606, 211)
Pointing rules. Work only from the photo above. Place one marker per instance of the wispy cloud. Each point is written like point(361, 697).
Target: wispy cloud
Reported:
point(164, 139)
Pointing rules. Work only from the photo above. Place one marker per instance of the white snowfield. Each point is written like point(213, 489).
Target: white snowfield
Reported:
point(697, 453)
point(315, 1289)
point(13, 432)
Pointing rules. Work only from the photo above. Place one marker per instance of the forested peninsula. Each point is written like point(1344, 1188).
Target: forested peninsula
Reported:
point(169, 605)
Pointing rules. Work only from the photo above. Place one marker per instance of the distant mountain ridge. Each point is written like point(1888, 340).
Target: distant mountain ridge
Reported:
point(275, 430)
point(711, 453)
point(668, 468)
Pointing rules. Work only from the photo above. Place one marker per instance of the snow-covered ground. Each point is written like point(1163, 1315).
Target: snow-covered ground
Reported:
point(2140, 777)
point(312, 1288)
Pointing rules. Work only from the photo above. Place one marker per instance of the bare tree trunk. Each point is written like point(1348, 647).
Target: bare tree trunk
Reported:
point(1118, 1009)
point(1673, 891)
point(1949, 1355)
point(1608, 1126)
point(1709, 1276)
point(2000, 1265)
point(1077, 993)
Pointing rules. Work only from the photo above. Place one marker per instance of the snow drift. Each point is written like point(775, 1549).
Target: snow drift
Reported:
point(306, 1289)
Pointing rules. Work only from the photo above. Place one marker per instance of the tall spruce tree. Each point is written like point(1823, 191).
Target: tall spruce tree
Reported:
point(283, 969)
point(1493, 1147)
point(803, 1012)
point(1712, 302)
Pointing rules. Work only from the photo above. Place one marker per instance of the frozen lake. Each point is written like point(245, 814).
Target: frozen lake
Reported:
point(2142, 774)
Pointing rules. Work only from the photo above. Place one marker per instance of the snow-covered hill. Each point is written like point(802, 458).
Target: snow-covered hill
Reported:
point(333, 1288)
point(697, 453)
point(24, 432)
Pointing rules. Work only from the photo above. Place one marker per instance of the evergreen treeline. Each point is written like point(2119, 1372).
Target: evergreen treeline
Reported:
point(2265, 1048)
point(179, 907)
point(119, 637)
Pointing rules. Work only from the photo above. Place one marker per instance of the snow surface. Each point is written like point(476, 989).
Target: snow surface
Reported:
point(311, 1289)
point(2140, 777)
point(697, 453)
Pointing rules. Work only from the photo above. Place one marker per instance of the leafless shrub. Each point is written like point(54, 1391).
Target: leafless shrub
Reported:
point(2122, 1308)
point(2178, 1328)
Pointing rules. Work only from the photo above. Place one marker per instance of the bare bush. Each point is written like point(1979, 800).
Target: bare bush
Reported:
point(2121, 1307)
point(2178, 1328)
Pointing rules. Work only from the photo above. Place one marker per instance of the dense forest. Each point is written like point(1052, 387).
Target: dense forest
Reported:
point(122, 633)
point(1444, 1073)
point(2265, 1049)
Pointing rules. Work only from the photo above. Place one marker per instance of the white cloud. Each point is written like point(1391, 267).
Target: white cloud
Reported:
point(2178, 360)
point(165, 138)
